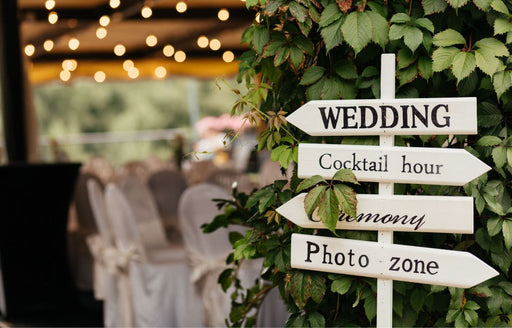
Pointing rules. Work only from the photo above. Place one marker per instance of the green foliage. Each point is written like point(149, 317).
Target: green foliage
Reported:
point(444, 48)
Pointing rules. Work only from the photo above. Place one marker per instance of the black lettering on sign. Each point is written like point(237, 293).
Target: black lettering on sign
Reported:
point(413, 265)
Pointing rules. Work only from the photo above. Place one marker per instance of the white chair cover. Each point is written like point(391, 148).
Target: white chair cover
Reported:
point(159, 291)
point(105, 264)
point(208, 254)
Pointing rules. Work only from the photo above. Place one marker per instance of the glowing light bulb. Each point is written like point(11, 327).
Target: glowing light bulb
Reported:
point(49, 4)
point(73, 43)
point(215, 44)
point(65, 75)
point(104, 20)
point(146, 12)
point(202, 41)
point(30, 49)
point(100, 76)
point(53, 17)
point(128, 64)
point(48, 45)
point(168, 50)
point(133, 73)
point(151, 40)
point(181, 7)
point(223, 14)
point(180, 56)
point(69, 65)
point(228, 56)
point(114, 4)
point(119, 50)
point(101, 33)
point(160, 72)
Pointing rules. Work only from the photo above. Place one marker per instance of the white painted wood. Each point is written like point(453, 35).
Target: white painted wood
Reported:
point(389, 261)
point(385, 286)
point(387, 116)
point(440, 166)
point(443, 214)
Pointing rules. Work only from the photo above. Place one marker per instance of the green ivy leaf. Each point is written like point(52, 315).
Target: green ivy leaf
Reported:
point(492, 46)
point(407, 75)
point(330, 89)
point(346, 69)
point(282, 54)
point(345, 175)
point(266, 201)
point(380, 29)
point(471, 317)
point(413, 37)
point(341, 285)
point(260, 38)
point(330, 14)
point(507, 232)
point(442, 58)
point(400, 18)
point(509, 156)
point(463, 64)
point(448, 37)
point(332, 34)
point(489, 114)
point(300, 288)
point(417, 299)
point(347, 89)
point(488, 141)
point(487, 62)
point(243, 249)
point(347, 199)
point(405, 58)
point(298, 11)
point(313, 198)
point(397, 31)
point(316, 320)
point(310, 182)
point(425, 67)
point(312, 74)
point(314, 91)
point(357, 30)
point(483, 5)
point(457, 3)
point(494, 225)
point(434, 6)
point(500, 7)
point(370, 307)
point(502, 26)
point(318, 288)
point(425, 23)
point(499, 155)
point(296, 57)
point(328, 209)
point(501, 81)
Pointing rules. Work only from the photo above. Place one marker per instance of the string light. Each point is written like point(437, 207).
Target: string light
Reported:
point(101, 33)
point(168, 50)
point(48, 45)
point(180, 56)
point(133, 73)
point(146, 12)
point(30, 49)
point(69, 65)
point(53, 17)
point(128, 64)
point(114, 4)
point(100, 76)
point(49, 4)
point(160, 72)
point(104, 20)
point(228, 56)
point(73, 43)
point(181, 7)
point(215, 44)
point(223, 14)
point(202, 41)
point(151, 40)
point(119, 50)
point(65, 75)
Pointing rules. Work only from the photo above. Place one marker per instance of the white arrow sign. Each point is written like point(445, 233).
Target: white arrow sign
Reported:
point(387, 117)
point(445, 214)
point(441, 166)
point(389, 261)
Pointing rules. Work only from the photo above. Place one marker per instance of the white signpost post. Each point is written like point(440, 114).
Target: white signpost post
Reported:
point(444, 214)
point(386, 212)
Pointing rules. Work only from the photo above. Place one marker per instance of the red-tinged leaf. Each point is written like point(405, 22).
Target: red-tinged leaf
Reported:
point(328, 209)
point(299, 288)
point(346, 198)
point(313, 198)
point(310, 182)
point(345, 175)
point(318, 287)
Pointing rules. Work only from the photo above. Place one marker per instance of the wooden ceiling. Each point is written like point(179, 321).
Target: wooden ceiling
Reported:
point(80, 19)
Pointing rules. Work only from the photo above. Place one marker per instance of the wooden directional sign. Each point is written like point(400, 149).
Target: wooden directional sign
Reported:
point(446, 214)
point(441, 166)
point(389, 261)
point(387, 117)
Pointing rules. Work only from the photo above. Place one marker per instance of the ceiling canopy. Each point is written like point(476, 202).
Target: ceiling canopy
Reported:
point(123, 39)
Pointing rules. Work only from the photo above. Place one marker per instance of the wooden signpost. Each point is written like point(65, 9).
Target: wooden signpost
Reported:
point(439, 166)
point(389, 261)
point(386, 212)
point(444, 214)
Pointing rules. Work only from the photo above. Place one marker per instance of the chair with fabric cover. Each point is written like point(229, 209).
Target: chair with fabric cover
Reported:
point(104, 251)
point(81, 260)
point(198, 171)
point(166, 186)
point(137, 168)
point(100, 167)
point(158, 287)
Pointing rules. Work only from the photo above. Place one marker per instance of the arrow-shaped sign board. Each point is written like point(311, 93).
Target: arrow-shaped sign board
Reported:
point(440, 166)
point(389, 261)
point(387, 117)
point(444, 214)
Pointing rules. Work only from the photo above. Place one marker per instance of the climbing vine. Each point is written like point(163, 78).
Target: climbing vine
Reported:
point(303, 50)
